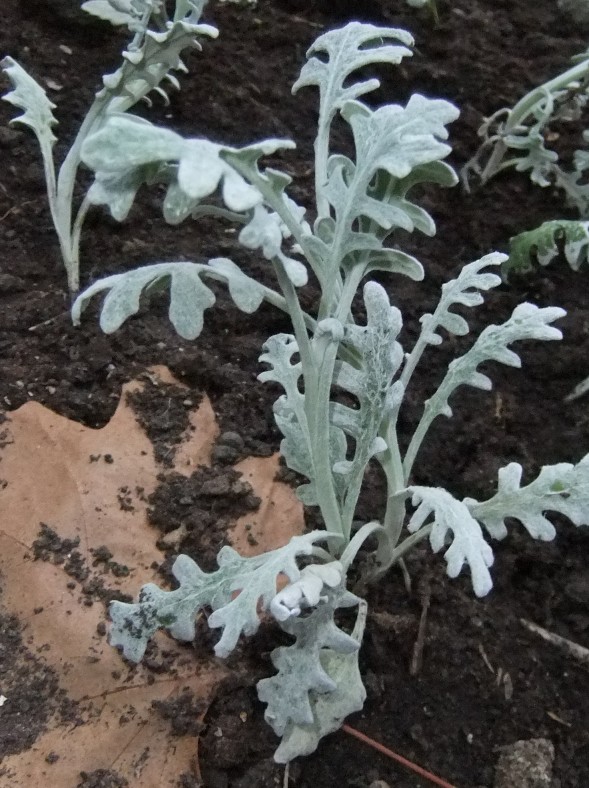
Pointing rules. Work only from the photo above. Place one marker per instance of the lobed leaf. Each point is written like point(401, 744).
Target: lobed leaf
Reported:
point(29, 96)
point(463, 290)
point(128, 151)
point(348, 49)
point(145, 68)
point(254, 578)
point(318, 682)
point(562, 488)
point(189, 296)
point(396, 147)
point(547, 242)
point(117, 12)
point(452, 521)
point(527, 322)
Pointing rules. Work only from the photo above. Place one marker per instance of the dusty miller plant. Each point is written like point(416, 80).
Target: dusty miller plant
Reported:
point(330, 440)
point(551, 241)
point(519, 137)
point(148, 65)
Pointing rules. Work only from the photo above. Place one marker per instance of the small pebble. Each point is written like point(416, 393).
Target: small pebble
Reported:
point(525, 764)
point(232, 439)
point(225, 455)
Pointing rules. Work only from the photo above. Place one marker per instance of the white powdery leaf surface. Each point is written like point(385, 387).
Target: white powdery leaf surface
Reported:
point(29, 96)
point(526, 322)
point(451, 519)
point(463, 290)
point(349, 48)
point(189, 296)
point(562, 488)
point(318, 681)
point(254, 578)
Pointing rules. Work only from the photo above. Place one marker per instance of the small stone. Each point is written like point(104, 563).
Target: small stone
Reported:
point(525, 764)
point(224, 455)
point(379, 784)
point(10, 283)
point(101, 628)
point(218, 487)
point(52, 757)
point(232, 439)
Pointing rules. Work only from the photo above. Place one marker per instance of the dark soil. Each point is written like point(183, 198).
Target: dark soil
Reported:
point(460, 707)
point(33, 689)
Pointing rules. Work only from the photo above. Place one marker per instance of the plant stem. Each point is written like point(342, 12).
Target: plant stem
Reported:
point(519, 114)
point(385, 561)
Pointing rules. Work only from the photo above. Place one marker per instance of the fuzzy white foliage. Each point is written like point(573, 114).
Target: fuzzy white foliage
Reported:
point(254, 578)
point(318, 681)
point(561, 488)
point(189, 296)
point(29, 96)
point(527, 322)
point(463, 290)
point(307, 590)
point(348, 49)
point(344, 380)
point(453, 521)
point(456, 525)
point(125, 145)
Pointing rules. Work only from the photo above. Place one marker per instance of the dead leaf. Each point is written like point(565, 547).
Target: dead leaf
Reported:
point(69, 477)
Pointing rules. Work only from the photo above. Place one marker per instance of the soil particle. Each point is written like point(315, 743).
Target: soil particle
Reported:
point(31, 690)
point(203, 505)
point(163, 410)
point(49, 546)
point(525, 764)
point(226, 746)
point(183, 713)
point(102, 778)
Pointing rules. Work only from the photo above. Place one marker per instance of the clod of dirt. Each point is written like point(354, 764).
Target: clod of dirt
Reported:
point(163, 410)
point(184, 713)
point(525, 764)
point(102, 778)
point(203, 504)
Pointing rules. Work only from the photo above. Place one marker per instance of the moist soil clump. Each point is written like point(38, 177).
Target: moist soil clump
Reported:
point(484, 681)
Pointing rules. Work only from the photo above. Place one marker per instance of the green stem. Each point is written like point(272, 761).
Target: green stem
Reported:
point(397, 554)
point(351, 551)
point(321, 159)
point(297, 316)
point(393, 467)
point(519, 114)
point(317, 399)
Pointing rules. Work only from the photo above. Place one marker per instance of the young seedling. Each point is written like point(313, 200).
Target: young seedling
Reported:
point(361, 203)
point(547, 243)
point(148, 63)
point(517, 138)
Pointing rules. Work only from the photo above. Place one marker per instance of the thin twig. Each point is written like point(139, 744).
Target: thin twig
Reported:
point(486, 660)
point(286, 775)
point(49, 321)
point(406, 575)
point(417, 658)
point(572, 649)
point(396, 757)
